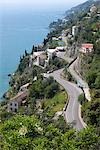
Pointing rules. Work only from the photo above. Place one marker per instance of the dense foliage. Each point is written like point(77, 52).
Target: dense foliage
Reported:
point(45, 130)
point(28, 133)
point(56, 63)
point(91, 112)
point(44, 88)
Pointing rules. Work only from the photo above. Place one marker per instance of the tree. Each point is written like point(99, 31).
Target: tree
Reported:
point(28, 133)
point(23, 64)
point(97, 47)
point(51, 90)
point(36, 90)
point(33, 48)
point(97, 82)
point(20, 59)
point(91, 76)
point(26, 53)
point(87, 139)
point(81, 98)
point(91, 112)
point(19, 132)
point(45, 42)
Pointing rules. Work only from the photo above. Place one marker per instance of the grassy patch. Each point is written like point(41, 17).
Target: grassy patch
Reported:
point(56, 103)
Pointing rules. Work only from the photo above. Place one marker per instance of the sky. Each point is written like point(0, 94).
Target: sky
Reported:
point(39, 4)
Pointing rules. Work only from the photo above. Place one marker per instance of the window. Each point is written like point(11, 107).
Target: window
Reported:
point(11, 109)
point(15, 109)
point(10, 104)
point(15, 104)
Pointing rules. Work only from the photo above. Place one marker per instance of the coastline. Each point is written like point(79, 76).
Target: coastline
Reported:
point(36, 37)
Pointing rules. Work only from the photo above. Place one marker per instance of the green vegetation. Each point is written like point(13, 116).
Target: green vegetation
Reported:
point(81, 98)
point(24, 62)
point(44, 88)
point(93, 75)
point(55, 64)
point(18, 80)
point(68, 75)
point(45, 130)
point(89, 32)
point(91, 113)
point(28, 133)
point(53, 44)
point(56, 104)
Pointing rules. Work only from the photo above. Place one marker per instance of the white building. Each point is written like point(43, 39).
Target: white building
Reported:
point(93, 9)
point(74, 30)
point(24, 87)
point(34, 59)
point(55, 38)
point(60, 48)
point(60, 37)
point(35, 54)
point(51, 53)
point(86, 48)
point(17, 101)
point(65, 32)
point(39, 58)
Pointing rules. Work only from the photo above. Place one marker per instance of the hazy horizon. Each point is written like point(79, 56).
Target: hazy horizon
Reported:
point(38, 5)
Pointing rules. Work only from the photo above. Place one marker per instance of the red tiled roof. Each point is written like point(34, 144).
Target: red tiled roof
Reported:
point(87, 45)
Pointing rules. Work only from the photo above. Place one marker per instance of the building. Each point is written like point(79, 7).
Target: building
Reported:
point(31, 61)
point(39, 58)
point(74, 30)
point(64, 20)
point(86, 48)
point(93, 9)
point(60, 48)
point(35, 54)
point(51, 53)
point(35, 78)
point(98, 13)
point(55, 39)
point(24, 87)
point(17, 101)
point(60, 38)
point(69, 36)
point(65, 32)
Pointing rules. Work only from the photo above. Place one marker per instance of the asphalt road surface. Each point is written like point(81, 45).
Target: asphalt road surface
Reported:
point(79, 79)
point(72, 113)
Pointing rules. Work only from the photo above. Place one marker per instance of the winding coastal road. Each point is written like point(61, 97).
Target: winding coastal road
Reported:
point(73, 111)
point(73, 70)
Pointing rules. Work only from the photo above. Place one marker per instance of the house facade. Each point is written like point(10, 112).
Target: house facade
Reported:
point(93, 9)
point(86, 48)
point(60, 48)
point(38, 58)
point(51, 53)
point(17, 101)
point(41, 60)
point(24, 87)
point(74, 30)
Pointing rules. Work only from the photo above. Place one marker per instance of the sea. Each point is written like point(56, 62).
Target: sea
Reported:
point(19, 31)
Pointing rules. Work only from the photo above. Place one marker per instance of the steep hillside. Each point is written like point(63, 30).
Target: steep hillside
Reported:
point(39, 122)
point(86, 17)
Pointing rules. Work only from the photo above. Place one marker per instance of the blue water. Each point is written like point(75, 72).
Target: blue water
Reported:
point(19, 31)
